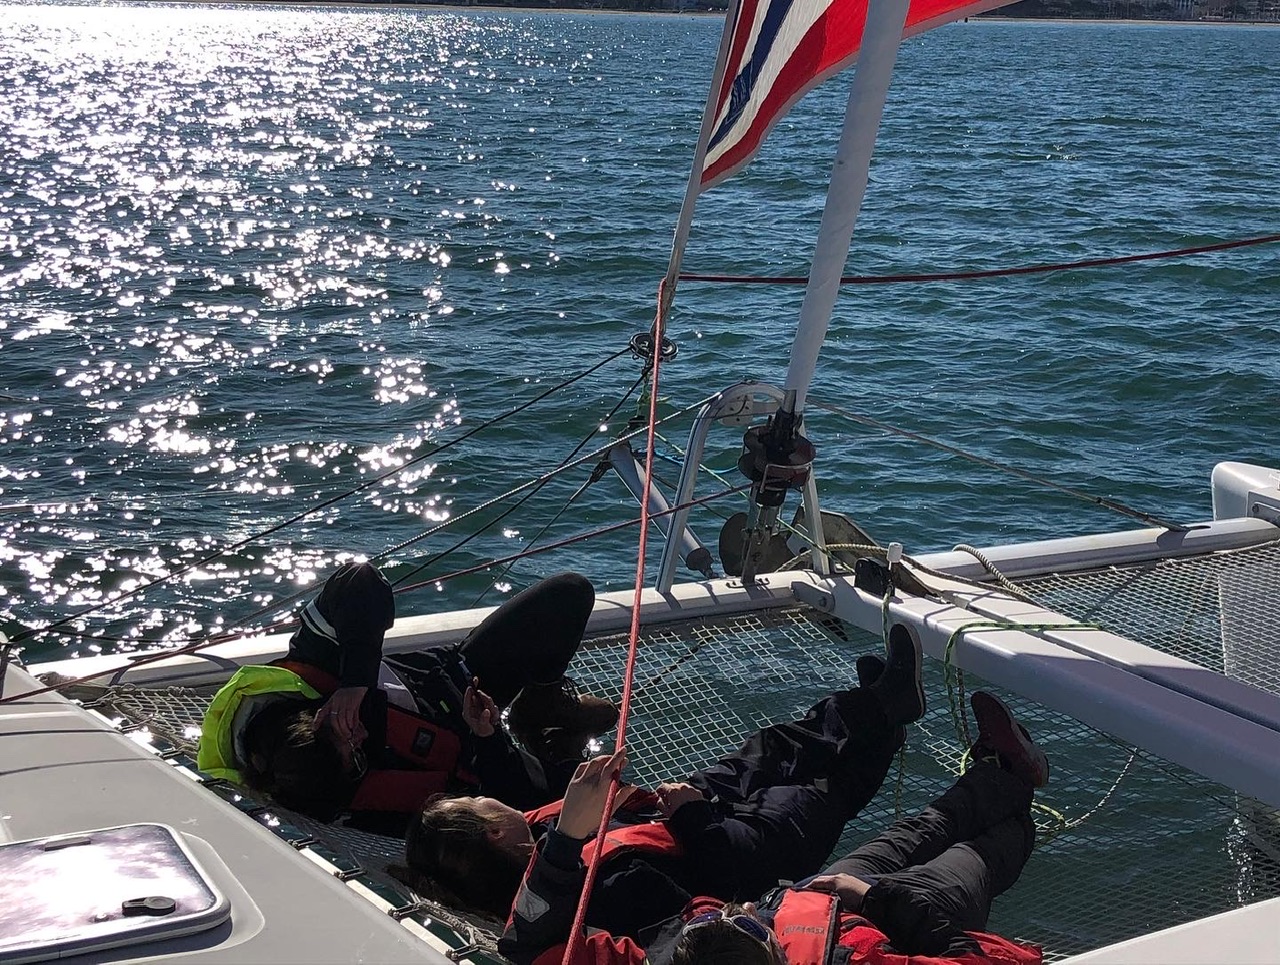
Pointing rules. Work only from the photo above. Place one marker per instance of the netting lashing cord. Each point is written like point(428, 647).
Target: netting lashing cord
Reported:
point(324, 504)
point(577, 932)
point(955, 698)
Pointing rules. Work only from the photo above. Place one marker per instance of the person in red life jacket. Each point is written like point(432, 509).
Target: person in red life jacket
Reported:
point(389, 732)
point(773, 810)
point(919, 893)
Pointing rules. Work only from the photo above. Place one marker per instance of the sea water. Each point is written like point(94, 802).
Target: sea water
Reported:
point(257, 263)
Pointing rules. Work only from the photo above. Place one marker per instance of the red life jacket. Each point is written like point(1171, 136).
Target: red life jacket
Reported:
point(653, 837)
point(813, 931)
point(434, 751)
point(805, 924)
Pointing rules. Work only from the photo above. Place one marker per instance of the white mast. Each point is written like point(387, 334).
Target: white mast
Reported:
point(879, 50)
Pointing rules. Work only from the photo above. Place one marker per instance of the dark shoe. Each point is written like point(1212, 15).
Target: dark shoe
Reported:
point(998, 731)
point(869, 668)
point(899, 689)
point(541, 712)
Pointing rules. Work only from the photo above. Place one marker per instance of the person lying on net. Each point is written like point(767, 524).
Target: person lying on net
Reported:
point(772, 810)
point(918, 894)
point(334, 727)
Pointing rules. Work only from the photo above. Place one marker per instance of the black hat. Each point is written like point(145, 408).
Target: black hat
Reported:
point(358, 603)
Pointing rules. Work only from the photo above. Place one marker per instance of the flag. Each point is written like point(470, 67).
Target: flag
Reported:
point(780, 49)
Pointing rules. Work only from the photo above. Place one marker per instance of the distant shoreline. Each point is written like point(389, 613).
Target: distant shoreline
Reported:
point(522, 8)
point(426, 5)
point(1126, 21)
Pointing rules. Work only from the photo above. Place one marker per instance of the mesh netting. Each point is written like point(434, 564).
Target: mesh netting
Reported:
point(1221, 611)
point(1128, 843)
point(169, 721)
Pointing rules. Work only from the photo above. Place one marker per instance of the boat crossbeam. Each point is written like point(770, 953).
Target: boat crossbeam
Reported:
point(1223, 729)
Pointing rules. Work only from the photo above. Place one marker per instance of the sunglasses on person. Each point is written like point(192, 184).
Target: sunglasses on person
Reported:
point(747, 924)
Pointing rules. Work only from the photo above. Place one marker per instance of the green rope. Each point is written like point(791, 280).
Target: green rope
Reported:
point(1064, 824)
point(955, 676)
point(955, 696)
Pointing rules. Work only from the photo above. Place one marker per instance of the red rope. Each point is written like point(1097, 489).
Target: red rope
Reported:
point(989, 272)
point(577, 933)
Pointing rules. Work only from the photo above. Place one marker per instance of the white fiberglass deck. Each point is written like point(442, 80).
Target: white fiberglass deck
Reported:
point(63, 770)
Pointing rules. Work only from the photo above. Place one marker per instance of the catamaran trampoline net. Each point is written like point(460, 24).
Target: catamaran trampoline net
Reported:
point(1220, 611)
point(1128, 843)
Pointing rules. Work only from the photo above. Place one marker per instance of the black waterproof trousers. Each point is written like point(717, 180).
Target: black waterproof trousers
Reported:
point(785, 796)
point(530, 638)
point(935, 874)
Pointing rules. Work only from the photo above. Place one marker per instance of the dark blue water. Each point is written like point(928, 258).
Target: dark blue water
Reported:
point(253, 258)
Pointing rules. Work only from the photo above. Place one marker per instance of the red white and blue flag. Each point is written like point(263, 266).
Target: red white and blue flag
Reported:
point(779, 50)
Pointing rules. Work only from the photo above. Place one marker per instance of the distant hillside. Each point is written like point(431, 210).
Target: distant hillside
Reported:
point(1252, 11)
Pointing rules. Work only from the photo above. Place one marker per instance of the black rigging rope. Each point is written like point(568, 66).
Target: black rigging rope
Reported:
point(252, 538)
point(991, 464)
point(137, 660)
point(988, 272)
point(568, 502)
point(539, 480)
point(530, 493)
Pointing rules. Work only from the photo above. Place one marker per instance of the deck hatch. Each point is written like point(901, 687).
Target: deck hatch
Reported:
point(72, 894)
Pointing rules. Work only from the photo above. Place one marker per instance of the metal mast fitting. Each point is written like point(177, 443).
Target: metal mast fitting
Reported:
point(775, 457)
point(641, 346)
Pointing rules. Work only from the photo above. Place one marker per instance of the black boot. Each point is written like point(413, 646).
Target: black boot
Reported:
point(869, 667)
point(899, 688)
point(554, 722)
point(1000, 733)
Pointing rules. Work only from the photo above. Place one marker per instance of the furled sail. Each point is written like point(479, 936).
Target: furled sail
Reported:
point(780, 49)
